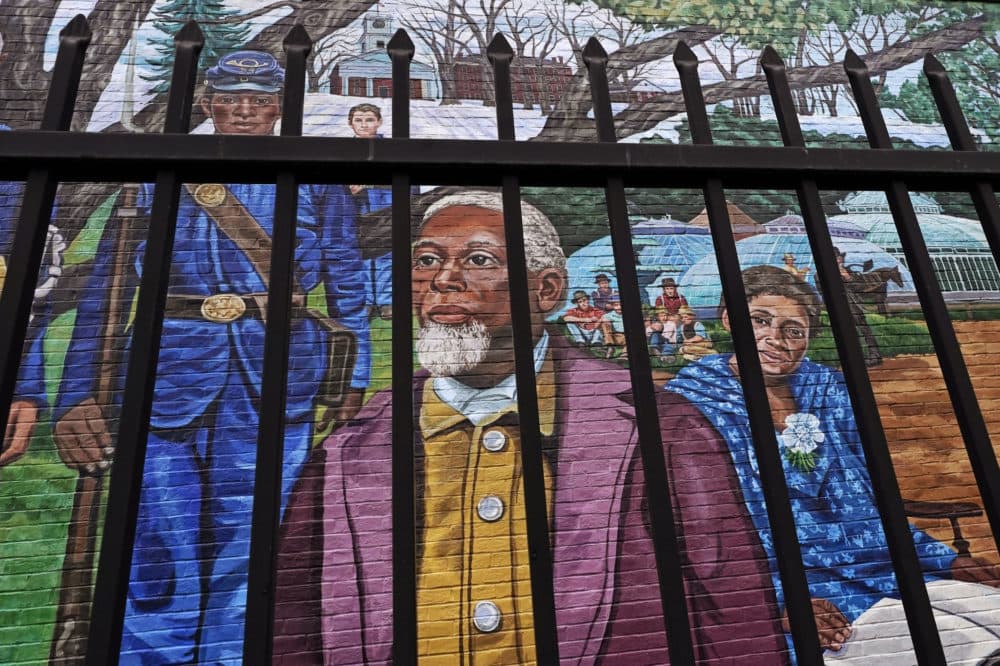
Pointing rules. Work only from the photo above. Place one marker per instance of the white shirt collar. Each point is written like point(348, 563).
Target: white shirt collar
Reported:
point(478, 405)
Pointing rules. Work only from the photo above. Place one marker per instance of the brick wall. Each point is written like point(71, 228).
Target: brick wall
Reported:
point(474, 591)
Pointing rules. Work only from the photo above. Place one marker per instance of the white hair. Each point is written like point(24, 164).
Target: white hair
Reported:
point(448, 350)
point(541, 240)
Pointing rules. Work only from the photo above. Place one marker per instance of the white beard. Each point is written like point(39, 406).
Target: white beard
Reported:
point(448, 350)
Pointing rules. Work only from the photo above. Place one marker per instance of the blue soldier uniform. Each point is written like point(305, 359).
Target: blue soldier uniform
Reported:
point(187, 592)
point(378, 270)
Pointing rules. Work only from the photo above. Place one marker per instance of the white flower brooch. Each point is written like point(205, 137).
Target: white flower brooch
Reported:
point(800, 439)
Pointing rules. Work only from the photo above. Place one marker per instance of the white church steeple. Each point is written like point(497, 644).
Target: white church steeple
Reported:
point(377, 32)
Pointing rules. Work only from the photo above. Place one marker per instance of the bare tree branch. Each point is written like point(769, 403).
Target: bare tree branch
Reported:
point(569, 119)
point(260, 11)
point(647, 115)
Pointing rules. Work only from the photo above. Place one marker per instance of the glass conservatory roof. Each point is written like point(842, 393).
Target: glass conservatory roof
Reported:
point(664, 248)
point(876, 202)
point(940, 232)
point(701, 286)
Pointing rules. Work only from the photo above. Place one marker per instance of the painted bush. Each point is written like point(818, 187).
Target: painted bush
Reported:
point(474, 590)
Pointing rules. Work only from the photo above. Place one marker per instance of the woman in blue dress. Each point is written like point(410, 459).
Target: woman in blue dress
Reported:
point(844, 548)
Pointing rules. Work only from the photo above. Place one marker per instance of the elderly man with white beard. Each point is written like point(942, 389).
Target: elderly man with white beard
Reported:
point(334, 588)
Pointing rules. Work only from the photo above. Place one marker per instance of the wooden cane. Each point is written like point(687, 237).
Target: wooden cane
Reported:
point(69, 638)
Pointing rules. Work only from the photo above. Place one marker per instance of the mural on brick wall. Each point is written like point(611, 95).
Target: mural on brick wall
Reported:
point(188, 577)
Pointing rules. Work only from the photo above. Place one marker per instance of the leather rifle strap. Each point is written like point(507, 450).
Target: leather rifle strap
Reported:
point(232, 217)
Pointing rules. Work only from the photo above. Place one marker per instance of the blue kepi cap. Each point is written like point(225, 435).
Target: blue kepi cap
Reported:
point(254, 71)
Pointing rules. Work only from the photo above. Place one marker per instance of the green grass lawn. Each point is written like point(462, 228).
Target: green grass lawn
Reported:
point(894, 335)
point(36, 497)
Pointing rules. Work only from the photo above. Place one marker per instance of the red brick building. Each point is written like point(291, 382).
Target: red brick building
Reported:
point(533, 80)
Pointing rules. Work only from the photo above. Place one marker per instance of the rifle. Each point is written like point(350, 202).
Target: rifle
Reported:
point(69, 638)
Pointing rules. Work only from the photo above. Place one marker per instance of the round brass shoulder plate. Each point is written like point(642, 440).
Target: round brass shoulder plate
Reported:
point(223, 308)
point(210, 195)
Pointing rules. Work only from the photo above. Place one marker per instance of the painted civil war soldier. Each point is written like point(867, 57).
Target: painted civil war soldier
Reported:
point(187, 594)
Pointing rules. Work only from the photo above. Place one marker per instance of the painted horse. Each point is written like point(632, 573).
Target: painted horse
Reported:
point(869, 286)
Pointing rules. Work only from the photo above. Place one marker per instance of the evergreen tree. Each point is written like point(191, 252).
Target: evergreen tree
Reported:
point(221, 37)
point(914, 100)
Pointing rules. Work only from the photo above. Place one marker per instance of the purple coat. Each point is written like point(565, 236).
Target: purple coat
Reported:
point(334, 587)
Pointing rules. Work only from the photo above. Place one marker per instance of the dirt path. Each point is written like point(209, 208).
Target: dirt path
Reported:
point(923, 434)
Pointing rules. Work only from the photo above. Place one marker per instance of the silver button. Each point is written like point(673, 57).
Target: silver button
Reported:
point(490, 508)
point(494, 440)
point(486, 616)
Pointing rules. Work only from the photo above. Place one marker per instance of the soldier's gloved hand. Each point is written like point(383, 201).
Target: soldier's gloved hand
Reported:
point(338, 416)
point(83, 440)
point(20, 424)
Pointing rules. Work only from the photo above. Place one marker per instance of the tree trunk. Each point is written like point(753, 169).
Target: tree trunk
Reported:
point(489, 94)
point(313, 77)
point(111, 22)
point(23, 81)
point(801, 99)
point(747, 107)
point(830, 99)
point(449, 90)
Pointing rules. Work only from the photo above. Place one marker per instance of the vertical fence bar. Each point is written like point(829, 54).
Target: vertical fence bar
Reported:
point(787, 551)
point(114, 565)
point(956, 375)
point(916, 603)
point(664, 534)
point(543, 603)
point(36, 209)
point(983, 194)
point(258, 633)
point(404, 569)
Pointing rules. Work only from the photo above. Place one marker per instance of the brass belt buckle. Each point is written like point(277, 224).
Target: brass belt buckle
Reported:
point(223, 308)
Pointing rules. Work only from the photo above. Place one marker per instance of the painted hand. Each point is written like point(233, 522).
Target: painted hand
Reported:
point(338, 416)
point(975, 570)
point(833, 627)
point(83, 440)
point(20, 424)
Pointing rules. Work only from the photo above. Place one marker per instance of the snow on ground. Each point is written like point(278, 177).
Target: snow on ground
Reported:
point(923, 135)
point(326, 115)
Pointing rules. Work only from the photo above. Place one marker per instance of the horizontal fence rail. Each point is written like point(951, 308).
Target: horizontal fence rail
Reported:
point(318, 159)
point(53, 153)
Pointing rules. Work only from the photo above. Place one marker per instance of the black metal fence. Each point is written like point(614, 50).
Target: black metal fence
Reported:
point(52, 154)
